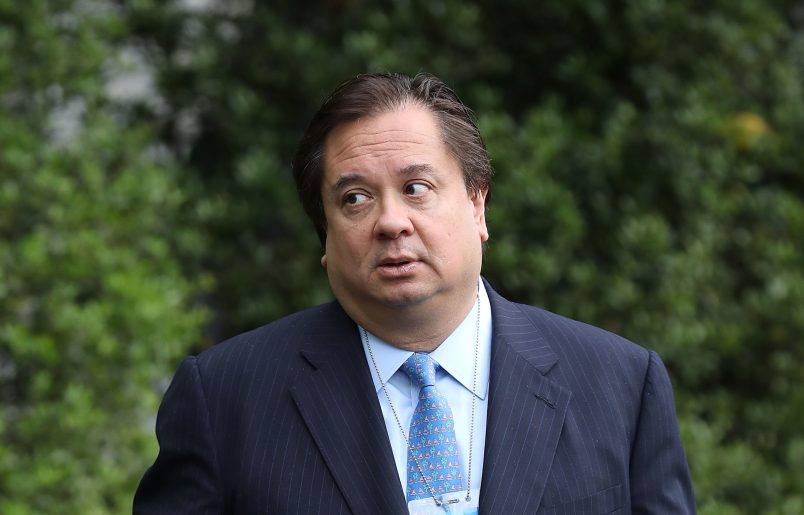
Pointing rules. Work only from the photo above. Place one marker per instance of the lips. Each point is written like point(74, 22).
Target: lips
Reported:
point(396, 260)
point(397, 266)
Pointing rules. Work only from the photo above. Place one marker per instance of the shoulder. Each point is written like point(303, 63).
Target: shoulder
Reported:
point(277, 344)
point(581, 350)
point(607, 374)
point(574, 335)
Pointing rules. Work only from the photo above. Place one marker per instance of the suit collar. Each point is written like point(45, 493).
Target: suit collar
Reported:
point(525, 414)
point(515, 330)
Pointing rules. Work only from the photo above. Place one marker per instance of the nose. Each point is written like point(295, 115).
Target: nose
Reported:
point(393, 220)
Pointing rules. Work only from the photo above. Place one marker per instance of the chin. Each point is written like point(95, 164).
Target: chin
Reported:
point(406, 297)
point(403, 302)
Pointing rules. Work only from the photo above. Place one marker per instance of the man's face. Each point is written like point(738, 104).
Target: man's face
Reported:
point(402, 230)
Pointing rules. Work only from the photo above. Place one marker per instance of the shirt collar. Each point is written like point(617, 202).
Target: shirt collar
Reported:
point(455, 354)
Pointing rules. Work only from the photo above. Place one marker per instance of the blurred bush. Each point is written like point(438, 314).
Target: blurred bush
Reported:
point(649, 181)
point(95, 305)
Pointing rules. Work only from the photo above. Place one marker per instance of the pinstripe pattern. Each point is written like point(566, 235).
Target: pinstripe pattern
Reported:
point(265, 423)
point(580, 421)
point(284, 419)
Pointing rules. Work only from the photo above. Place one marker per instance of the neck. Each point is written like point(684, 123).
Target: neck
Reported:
point(415, 328)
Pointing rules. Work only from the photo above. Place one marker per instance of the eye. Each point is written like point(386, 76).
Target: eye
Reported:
point(416, 188)
point(354, 198)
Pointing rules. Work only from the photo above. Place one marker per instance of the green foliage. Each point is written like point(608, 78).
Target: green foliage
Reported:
point(95, 307)
point(673, 214)
point(649, 181)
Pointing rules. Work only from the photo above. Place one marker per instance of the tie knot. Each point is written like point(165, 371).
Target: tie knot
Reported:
point(421, 369)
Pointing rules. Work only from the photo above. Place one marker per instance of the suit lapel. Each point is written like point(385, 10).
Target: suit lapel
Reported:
point(337, 403)
point(525, 413)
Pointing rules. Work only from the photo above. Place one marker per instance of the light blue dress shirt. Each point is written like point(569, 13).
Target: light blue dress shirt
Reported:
point(454, 380)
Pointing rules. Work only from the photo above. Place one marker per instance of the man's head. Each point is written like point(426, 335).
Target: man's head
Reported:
point(372, 94)
point(395, 176)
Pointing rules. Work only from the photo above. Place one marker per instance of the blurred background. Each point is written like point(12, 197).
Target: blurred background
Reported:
point(650, 180)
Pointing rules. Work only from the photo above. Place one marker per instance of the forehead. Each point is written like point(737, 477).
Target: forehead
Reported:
point(392, 139)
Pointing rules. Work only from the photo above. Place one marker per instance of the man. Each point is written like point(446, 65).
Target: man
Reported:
point(419, 389)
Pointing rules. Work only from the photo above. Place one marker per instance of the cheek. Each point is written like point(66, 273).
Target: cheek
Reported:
point(346, 242)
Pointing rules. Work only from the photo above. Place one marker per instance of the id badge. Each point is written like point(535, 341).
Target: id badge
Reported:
point(459, 506)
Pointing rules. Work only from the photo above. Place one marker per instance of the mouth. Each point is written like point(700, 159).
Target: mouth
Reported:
point(396, 267)
point(395, 262)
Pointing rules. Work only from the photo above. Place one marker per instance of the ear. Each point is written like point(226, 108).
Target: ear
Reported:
point(478, 199)
point(324, 260)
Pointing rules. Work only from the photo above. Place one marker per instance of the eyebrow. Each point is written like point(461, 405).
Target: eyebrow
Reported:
point(416, 169)
point(344, 181)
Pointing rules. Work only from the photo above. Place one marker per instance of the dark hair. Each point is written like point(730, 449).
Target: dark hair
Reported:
point(374, 94)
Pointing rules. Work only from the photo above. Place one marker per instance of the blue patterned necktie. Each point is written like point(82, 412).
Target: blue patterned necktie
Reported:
point(431, 436)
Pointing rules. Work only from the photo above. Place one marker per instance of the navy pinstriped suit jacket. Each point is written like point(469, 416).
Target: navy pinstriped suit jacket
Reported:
point(284, 420)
